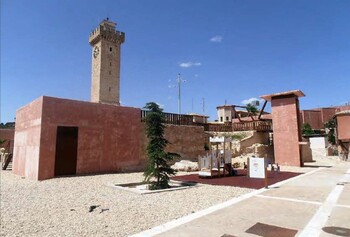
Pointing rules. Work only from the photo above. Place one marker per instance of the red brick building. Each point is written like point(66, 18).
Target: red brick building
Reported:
point(319, 116)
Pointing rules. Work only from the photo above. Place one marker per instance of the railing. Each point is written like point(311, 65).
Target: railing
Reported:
point(184, 119)
point(219, 127)
point(260, 126)
point(169, 118)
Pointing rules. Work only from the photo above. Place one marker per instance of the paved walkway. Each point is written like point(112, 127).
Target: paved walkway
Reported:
point(313, 204)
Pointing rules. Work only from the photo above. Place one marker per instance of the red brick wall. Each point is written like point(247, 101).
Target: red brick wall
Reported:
point(285, 115)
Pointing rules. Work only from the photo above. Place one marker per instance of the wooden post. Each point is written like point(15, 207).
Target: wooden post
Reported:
point(224, 156)
point(265, 168)
point(248, 166)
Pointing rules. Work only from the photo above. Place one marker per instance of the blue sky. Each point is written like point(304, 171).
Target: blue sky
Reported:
point(226, 50)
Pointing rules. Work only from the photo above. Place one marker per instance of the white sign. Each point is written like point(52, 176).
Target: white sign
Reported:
point(256, 167)
point(220, 139)
point(217, 139)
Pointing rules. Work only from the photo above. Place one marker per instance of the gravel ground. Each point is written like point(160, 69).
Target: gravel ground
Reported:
point(60, 206)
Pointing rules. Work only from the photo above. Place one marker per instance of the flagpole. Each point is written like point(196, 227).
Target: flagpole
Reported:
point(179, 93)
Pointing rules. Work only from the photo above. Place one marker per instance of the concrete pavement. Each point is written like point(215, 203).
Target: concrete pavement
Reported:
point(314, 204)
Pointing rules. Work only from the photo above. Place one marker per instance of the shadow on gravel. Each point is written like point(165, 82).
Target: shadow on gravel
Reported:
point(240, 180)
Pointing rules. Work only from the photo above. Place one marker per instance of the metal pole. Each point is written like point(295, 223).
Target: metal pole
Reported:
point(179, 93)
point(203, 106)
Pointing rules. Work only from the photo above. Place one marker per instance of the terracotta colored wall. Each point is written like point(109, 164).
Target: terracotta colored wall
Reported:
point(327, 114)
point(108, 136)
point(7, 134)
point(343, 127)
point(312, 117)
point(27, 140)
point(187, 141)
point(285, 116)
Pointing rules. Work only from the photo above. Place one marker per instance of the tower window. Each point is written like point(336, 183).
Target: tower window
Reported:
point(110, 63)
point(109, 89)
point(110, 72)
point(110, 49)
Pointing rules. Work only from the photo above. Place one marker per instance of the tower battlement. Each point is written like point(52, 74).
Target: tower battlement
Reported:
point(106, 30)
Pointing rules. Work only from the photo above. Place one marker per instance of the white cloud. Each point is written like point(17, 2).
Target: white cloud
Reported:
point(189, 64)
point(250, 100)
point(160, 105)
point(216, 39)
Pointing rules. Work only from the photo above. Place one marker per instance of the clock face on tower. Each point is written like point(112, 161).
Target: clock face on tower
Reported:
point(96, 51)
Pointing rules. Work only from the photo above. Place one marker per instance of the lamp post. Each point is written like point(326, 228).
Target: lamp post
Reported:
point(179, 81)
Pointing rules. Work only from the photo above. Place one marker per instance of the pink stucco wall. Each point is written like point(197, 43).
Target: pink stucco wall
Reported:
point(286, 130)
point(27, 140)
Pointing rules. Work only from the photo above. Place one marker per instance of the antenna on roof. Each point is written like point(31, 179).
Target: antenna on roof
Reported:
point(203, 103)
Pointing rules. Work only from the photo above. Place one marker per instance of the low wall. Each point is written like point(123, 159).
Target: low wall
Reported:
point(187, 141)
point(7, 134)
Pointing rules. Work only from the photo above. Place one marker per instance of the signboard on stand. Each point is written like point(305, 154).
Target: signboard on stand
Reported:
point(257, 168)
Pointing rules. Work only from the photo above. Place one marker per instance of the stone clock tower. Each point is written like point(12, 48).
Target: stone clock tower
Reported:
point(105, 41)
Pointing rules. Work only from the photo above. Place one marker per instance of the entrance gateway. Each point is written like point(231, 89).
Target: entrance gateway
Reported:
point(66, 151)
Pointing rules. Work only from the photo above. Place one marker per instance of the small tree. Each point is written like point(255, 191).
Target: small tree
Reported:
point(157, 166)
point(329, 127)
point(252, 109)
point(307, 129)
